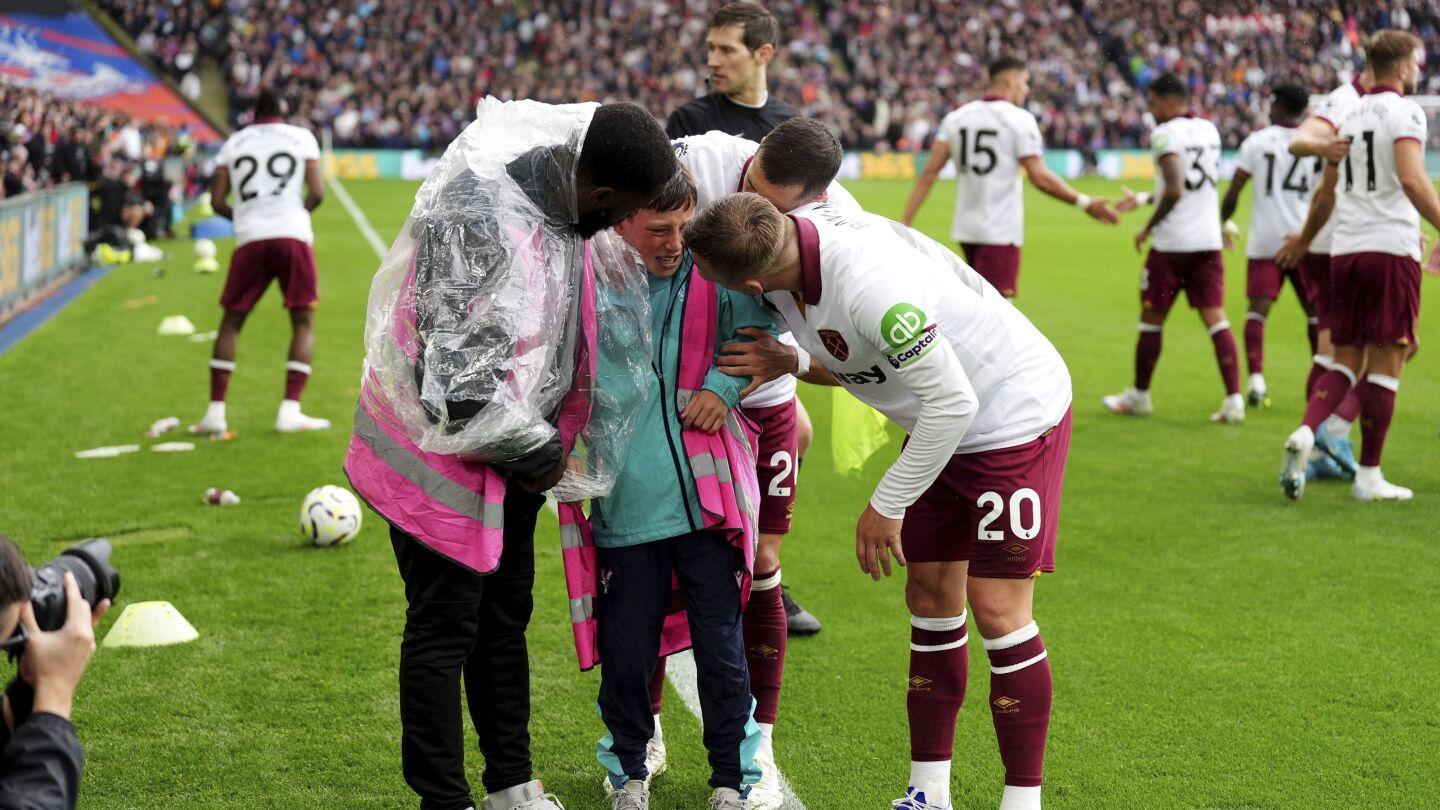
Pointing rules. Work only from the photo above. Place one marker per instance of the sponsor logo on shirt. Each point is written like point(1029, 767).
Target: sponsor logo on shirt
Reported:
point(834, 343)
point(908, 333)
point(870, 375)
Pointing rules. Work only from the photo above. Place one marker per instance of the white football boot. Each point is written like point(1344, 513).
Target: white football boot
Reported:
point(728, 799)
point(1370, 485)
point(634, 796)
point(213, 421)
point(1130, 402)
point(1232, 410)
point(529, 796)
point(765, 794)
point(1259, 392)
point(291, 420)
point(1297, 456)
point(915, 800)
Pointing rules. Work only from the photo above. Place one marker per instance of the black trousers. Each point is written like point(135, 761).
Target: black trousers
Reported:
point(634, 595)
point(460, 622)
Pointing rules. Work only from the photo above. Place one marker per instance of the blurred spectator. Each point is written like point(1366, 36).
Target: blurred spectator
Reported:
point(45, 140)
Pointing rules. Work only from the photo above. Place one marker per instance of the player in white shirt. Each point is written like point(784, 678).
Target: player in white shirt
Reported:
point(1186, 240)
point(274, 170)
point(991, 141)
point(970, 506)
point(1309, 248)
point(1282, 196)
point(1382, 193)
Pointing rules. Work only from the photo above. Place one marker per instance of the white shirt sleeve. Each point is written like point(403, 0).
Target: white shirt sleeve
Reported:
point(1245, 158)
point(714, 160)
point(1028, 141)
point(310, 148)
point(227, 153)
point(897, 322)
point(1409, 123)
point(948, 127)
point(1163, 142)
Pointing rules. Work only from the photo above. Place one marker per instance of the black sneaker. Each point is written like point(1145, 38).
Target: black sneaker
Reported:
point(799, 621)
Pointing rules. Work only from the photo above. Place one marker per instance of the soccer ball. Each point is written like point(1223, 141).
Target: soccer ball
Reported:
point(330, 516)
point(204, 249)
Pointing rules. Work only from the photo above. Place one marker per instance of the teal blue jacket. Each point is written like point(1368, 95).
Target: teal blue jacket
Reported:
point(654, 494)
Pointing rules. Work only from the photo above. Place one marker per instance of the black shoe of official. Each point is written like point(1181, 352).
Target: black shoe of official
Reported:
point(799, 621)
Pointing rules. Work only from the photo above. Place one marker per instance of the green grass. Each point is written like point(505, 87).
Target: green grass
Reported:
point(1213, 644)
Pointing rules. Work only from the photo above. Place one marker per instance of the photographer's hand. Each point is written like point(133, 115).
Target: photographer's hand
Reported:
point(53, 662)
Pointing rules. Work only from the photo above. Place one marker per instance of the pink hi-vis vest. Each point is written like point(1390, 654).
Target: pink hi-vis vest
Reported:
point(454, 507)
point(725, 481)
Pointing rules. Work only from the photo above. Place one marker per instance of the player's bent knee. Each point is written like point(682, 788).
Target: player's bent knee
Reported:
point(1001, 606)
point(767, 554)
point(935, 590)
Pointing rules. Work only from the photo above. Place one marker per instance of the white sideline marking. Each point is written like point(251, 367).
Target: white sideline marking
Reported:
point(680, 669)
point(359, 216)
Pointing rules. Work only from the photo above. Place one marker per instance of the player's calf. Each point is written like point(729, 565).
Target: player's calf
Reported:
point(1020, 697)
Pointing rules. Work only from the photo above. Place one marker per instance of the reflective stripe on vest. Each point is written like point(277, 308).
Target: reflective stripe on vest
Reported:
point(435, 485)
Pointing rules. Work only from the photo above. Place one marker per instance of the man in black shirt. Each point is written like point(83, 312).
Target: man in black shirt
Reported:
point(741, 42)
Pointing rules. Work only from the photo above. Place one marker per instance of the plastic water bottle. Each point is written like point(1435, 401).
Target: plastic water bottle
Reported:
point(221, 497)
point(163, 426)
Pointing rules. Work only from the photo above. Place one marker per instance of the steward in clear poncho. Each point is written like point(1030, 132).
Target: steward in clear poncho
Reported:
point(481, 345)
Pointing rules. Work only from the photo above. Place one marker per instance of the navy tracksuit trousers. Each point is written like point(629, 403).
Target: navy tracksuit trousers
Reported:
point(634, 599)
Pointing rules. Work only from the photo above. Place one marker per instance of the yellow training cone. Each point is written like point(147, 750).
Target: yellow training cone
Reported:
point(149, 624)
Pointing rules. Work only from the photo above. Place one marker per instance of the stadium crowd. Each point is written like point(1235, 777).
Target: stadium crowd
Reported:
point(389, 73)
point(45, 141)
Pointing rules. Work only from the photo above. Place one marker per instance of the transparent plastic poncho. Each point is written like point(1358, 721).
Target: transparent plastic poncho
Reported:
point(475, 314)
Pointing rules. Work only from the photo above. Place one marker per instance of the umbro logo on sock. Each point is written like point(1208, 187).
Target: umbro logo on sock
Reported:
point(1006, 705)
point(920, 684)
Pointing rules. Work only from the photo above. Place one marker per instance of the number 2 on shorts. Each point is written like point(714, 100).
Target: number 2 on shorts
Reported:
point(996, 504)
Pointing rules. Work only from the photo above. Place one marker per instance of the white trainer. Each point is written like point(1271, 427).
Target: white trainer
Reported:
point(529, 796)
point(1297, 456)
point(1131, 402)
point(655, 762)
point(634, 796)
point(765, 794)
point(1259, 392)
point(1232, 410)
point(213, 421)
point(728, 799)
point(291, 420)
point(1370, 485)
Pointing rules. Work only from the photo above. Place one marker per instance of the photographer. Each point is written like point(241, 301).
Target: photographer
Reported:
point(40, 756)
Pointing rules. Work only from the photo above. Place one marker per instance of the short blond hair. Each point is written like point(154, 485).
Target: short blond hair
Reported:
point(1388, 48)
point(738, 236)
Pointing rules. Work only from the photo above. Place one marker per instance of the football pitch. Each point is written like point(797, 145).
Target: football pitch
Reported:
point(1213, 644)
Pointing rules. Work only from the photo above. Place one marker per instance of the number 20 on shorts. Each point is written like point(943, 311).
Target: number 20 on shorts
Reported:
point(995, 502)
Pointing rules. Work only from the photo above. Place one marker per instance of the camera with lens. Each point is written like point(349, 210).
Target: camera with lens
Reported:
point(89, 562)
